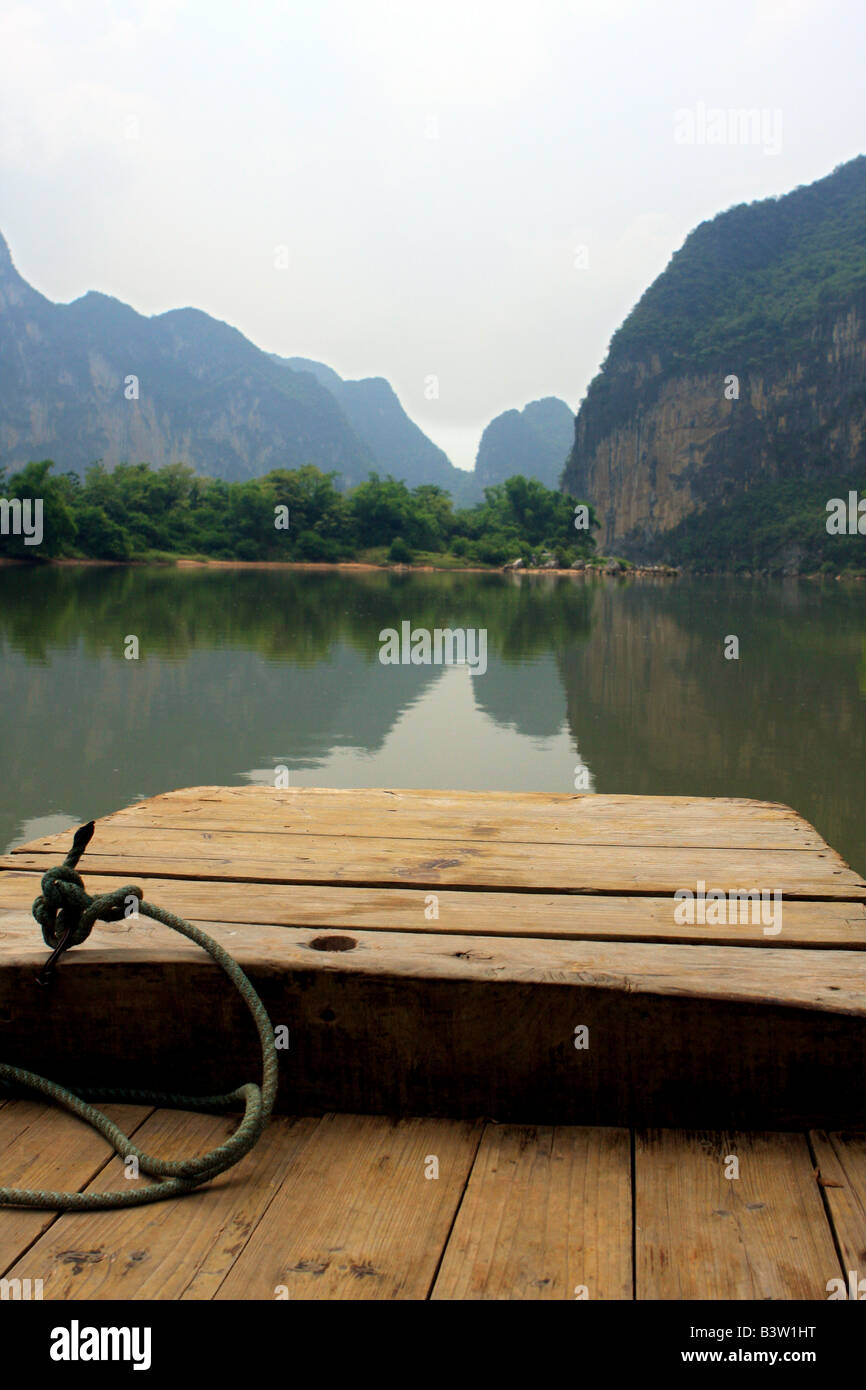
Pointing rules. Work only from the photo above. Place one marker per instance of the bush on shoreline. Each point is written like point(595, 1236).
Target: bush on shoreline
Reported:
point(135, 512)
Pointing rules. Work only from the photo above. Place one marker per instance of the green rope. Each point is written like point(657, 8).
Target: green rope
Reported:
point(66, 913)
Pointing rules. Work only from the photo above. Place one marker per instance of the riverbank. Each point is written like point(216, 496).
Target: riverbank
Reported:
point(604, 570)
point(356, 566)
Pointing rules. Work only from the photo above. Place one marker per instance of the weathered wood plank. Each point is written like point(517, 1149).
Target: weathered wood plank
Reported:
point(43, 1146)
point(359, 1214)
point(284, 858)
point(700, 1235)
point(841, 1160)
point(566, 916)
point(830, 981)
point(547, 1215)
point(179, 1249)
point(450, 1025)
point(499, 816)
point(582, 937)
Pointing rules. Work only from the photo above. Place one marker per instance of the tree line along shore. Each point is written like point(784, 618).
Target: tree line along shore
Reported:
point(134, 513)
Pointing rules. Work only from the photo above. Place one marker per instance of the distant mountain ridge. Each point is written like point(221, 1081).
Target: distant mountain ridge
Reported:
point(534, 441)
point(206, 395)
point(377, 417)
point(95, 380)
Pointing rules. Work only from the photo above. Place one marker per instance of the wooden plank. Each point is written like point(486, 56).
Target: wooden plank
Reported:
point(830, 981)
point(537, 817)
point(179, 1249)
point(547, 1215)
point(841, 1162)
point(700, 1235)
point(359, 1214)
point(590, 804)
point(564, 916)
point(44, 1147)
point(284, 858)
point(461, 1026)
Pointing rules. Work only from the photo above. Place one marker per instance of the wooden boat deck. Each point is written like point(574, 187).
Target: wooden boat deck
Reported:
point(441, 957)
point(341, 1207)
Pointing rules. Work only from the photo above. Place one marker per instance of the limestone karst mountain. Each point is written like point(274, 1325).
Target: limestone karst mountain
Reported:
point(534, 441)
point(95, 380)
point(742, 366)
point(380, 422)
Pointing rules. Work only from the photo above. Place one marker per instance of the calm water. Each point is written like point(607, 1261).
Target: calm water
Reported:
point(240, 671)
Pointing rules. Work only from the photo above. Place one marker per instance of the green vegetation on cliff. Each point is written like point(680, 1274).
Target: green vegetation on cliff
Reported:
point(775, 528)
point(754, 279)
point(740, 371)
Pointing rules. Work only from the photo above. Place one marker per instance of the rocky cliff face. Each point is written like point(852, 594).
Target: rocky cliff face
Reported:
point(744, 362)
point(202, 393)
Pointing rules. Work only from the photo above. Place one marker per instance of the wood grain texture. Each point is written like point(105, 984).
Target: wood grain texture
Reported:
point(553, 912)
point(44, 1147)
point(356, 1217)
point(532, 937)
point(547, 1215)
point(568, 917)
point(831, 981)
point(180, 1249)
point(526, 866)
point(462, 1028)
point(700, 1235)
point(841, 1163)
point(499, 816)
point(351, 1207)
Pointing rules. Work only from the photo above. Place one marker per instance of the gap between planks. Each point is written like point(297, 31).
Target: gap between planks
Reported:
point(350, 1207)
point(569, 917)
point(636, 875)
point(523, 844)
point(43, 1146)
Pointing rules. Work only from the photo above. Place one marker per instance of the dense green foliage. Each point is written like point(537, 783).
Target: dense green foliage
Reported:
point(776, 527)
point(755, 278)
point(772, 293)
point(744, 292)
point(134, 511)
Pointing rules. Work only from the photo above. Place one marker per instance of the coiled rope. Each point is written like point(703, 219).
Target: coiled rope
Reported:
point(66, 913)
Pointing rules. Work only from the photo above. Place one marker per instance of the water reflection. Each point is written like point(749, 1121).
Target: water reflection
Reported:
point(241, 671)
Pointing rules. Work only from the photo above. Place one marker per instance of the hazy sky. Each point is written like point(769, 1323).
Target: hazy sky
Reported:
point(471, 190)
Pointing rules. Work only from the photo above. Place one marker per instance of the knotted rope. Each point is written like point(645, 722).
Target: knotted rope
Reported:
point(66, 913)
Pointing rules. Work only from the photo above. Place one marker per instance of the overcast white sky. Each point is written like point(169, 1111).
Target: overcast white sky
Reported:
point(432, 168)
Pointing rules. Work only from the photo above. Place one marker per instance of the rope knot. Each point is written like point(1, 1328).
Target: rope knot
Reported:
point(67, 913)
point(112, 907)
point(59, 908)
point(65, 910)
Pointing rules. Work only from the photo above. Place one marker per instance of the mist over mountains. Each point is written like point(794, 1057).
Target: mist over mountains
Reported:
point(534, 441)
point(377, 417)
point(94, 380)
point(742, 368)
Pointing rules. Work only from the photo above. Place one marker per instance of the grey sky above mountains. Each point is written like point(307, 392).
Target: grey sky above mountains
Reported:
point(474, 192)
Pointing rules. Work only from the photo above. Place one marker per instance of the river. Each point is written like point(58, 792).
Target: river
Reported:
point(602, 685)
